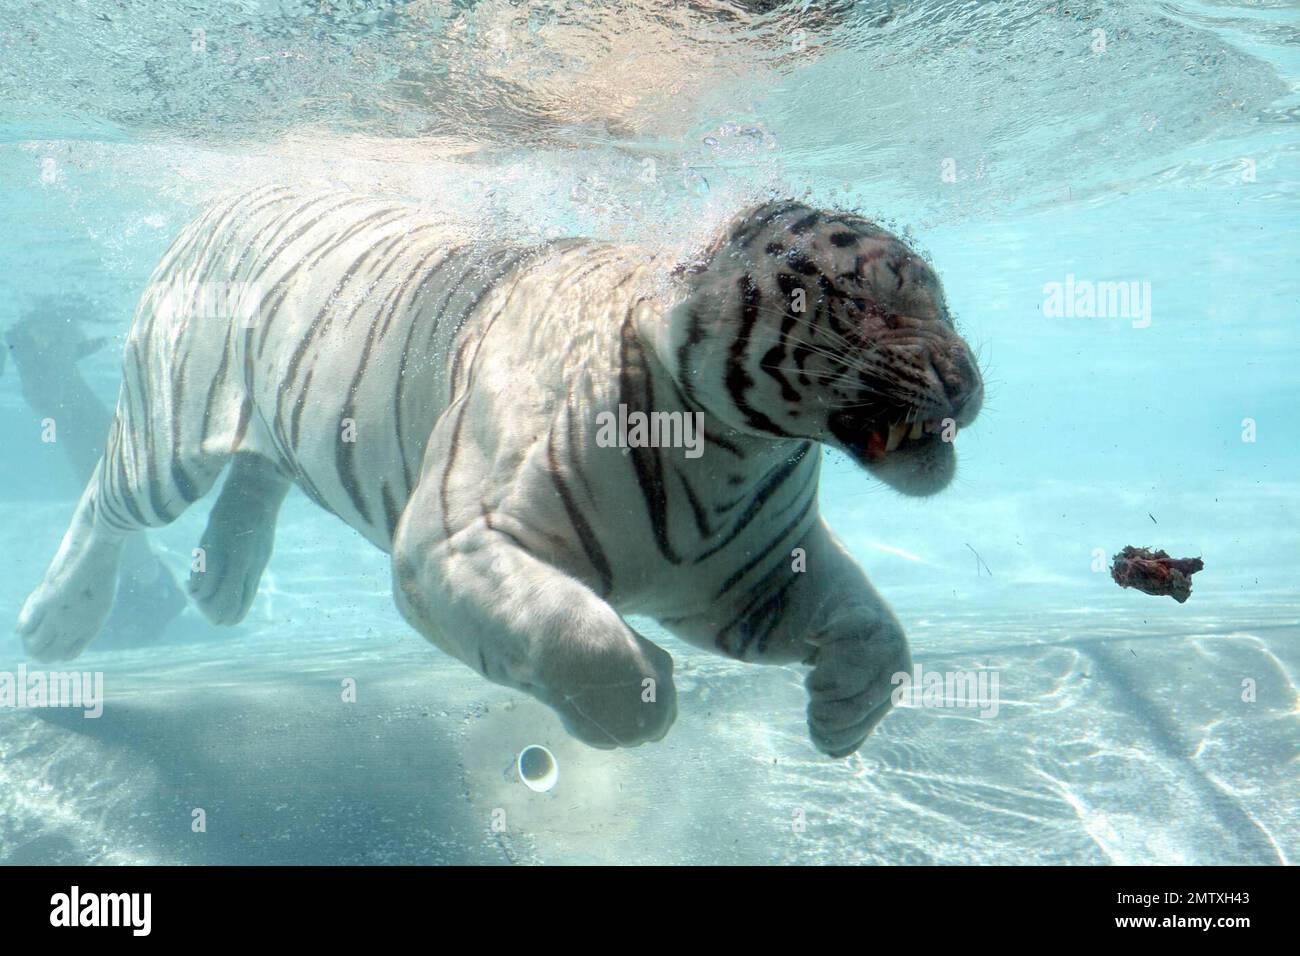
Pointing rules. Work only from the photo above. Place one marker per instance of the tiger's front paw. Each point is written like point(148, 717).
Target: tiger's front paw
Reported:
point(617, 696)
point(851, 683)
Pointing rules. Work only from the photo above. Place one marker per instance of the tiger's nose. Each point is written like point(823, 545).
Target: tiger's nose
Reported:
point(955, 366)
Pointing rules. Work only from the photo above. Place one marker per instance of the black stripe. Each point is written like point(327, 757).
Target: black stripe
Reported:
point(106, 491)
point(720, 442)
point(766, 616)
point(216, 388)
point(692, 406)
point(462, 400)
point(697, 509)
point(153, 487)
point(857, 224)
point(801, 263)
point(185, 241)
point(503, 262)
point(765, 490)
point(747, 616)
point(275, 221)
point(345, 468)
point(683, 400)
point(398, 395)
point(274, 225)
point(637, 392)
point(185, 485)
point(772, 359)
point(122, 486)
point(323, 320)
point(738, 380)
point(825, 307)
point(590, 544)
point(766, 551)
point(694, 336)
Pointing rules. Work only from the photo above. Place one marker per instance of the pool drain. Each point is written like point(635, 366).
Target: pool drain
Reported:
point(538, 768)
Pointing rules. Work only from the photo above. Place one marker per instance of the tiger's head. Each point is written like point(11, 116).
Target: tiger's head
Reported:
point(820, 325)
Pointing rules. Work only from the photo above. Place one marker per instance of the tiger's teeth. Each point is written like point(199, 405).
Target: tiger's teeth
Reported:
point(916, 431)
point(896, 433)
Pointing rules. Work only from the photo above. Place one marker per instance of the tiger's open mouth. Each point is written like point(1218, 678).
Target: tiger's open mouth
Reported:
point(881, 440)
point(870, 441)
point(914, 457)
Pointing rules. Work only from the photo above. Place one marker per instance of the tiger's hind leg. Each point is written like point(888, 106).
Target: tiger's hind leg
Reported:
point(237, 543)
point(145, 478)
point(70, 606)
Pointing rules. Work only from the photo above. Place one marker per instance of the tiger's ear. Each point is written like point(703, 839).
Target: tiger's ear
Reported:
point(690, 267)
point(699, 262)
point(744, 228)
point(736, 227)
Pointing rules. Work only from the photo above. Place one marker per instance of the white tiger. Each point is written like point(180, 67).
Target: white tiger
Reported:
point(444, 398)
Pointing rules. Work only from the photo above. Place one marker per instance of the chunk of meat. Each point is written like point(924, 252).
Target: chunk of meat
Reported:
point(1154, 572)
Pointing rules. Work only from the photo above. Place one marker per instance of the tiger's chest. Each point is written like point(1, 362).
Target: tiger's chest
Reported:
point(657, 507)
point(703, 526)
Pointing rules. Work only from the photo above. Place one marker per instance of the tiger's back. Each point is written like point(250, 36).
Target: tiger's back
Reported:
point(364, 347)
point(324, 329)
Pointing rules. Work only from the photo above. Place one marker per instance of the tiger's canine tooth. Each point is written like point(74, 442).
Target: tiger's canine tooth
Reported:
point(896, 432)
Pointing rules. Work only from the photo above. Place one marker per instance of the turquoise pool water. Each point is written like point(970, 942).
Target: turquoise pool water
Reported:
point(1022, 147)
